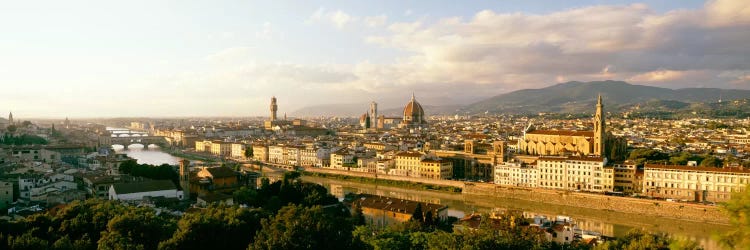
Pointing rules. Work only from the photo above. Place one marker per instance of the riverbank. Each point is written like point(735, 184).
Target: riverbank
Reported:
point(655, 208)
point(394, 183)
point(189, 156)
point(610, 223)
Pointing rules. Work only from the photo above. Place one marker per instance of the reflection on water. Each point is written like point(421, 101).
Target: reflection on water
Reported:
point(605, 222)
point(153, 155)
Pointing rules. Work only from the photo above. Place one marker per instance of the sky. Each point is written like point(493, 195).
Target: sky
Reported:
point(227, 58)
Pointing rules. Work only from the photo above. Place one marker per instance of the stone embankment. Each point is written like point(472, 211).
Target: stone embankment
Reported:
point(666, 209)
point(674, 210)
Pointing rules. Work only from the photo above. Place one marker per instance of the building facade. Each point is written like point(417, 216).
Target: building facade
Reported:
point(516, 174)
point(575, 173)
point(694, 183)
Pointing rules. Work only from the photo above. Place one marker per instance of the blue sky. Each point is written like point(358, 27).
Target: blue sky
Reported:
point(226, 58)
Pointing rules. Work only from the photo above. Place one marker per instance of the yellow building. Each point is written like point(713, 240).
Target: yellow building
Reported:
point(476, 161)
point(407, 164)
point(260, 152)
point(694, 183)
point(221, 148)
point(626, 178)
point(438, 169)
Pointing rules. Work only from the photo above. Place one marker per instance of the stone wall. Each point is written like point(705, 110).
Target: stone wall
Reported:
point(387, 177)
point(675, 210)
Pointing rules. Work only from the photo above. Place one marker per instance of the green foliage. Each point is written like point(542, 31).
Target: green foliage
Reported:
point(711, 161)
point(138, 228)
point(682, 158)
point(298, 227)
point(217, 227)
point(638, 239)
point(9, 139)
point(738, 209)
point(498, 234)
point(645, 155)
point(161, 172)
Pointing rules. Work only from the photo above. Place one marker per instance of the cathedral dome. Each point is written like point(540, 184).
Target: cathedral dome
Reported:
point(413, 112)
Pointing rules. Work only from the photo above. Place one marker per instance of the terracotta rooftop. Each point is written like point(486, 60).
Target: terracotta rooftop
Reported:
point(704, 169)
point(571, 158)
point(409, 154)
point(145, 186)
point(221, 172)
point(563, 133)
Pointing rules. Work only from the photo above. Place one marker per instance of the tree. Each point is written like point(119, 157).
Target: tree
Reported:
point(249, 152)
point(738, 208)
point(246, 196)
point(298, 227)
point(711, 161)
point(139, 228)
point(638, 239)
point(644, 155)
point(217, 227)
point(417, 215)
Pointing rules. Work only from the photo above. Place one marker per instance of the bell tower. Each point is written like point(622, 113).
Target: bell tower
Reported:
point(599, 128)
point(274, 108)
point(185, 178)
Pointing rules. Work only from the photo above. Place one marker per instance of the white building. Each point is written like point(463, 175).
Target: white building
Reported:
point(136, 191)
point(575, 173)
point(516, 174)
point(238, 150)
point(276, 154)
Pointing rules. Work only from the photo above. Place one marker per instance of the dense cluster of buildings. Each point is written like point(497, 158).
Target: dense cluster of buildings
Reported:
point(563, 154)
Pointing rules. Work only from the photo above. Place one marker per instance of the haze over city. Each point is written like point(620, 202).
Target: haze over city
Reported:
point(226, 58)
point(244, 124)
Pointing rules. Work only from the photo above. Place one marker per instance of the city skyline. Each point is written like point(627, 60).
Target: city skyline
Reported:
point(189, 59)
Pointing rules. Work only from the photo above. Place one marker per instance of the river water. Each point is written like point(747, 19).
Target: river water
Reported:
point(606, 222)
point(152, 155)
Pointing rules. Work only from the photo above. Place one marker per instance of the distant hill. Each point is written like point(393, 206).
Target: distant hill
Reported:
point(341, 110)
point(579, 97)
point(739, 108)
point(357, 109)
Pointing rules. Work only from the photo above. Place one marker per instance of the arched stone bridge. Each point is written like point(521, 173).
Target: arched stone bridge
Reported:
point(131, 138)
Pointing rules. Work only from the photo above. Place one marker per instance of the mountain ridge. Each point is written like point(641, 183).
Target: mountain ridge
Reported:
point(576, 97)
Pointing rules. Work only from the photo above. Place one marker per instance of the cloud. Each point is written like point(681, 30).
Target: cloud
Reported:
point(338, 18)
point(229, 55)
point(376, 21)
point(463, 59)
point(266, 32)
point(659, 76)
point(511, 51)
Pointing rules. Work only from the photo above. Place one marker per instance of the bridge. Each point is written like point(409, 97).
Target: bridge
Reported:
point(130, 138)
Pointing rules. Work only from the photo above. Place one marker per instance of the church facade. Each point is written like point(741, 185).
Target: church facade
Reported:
point(570, 142)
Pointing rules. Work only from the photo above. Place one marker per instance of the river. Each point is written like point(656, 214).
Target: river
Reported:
point(606, 222)
point(153, 155)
